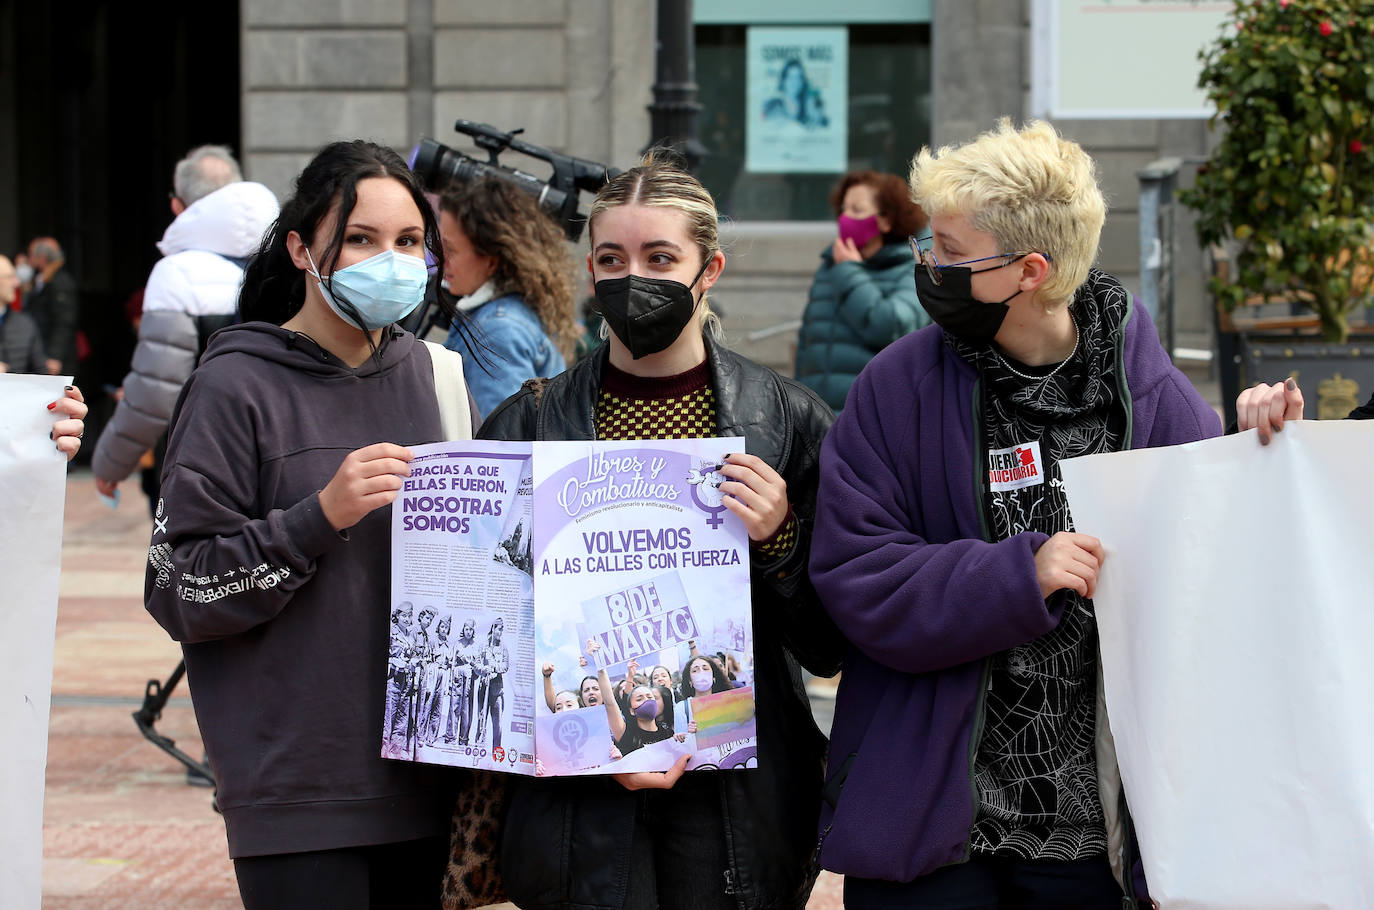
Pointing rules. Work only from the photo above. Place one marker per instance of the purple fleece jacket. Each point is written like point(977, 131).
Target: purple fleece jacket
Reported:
point(900, 562)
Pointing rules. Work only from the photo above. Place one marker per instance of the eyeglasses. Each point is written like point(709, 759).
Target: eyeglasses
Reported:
point(926, 257)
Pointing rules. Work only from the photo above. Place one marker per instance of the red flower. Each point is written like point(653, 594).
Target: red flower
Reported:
point(1283, 4)
point(1356, 146)
point(1326, 28)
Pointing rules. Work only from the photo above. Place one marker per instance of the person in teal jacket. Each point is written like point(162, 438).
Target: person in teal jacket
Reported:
point(863, 297)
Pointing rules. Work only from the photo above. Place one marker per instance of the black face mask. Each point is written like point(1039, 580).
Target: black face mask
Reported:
point(646, 314)
point(953, 307)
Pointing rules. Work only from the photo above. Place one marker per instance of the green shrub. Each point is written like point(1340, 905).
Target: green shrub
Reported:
point(1292, 180)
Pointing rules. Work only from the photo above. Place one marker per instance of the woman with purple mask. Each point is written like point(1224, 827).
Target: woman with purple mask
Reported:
point(863, 297)
point(644, 726)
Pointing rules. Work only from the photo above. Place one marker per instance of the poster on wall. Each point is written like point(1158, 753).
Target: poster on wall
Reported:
point(797, 100)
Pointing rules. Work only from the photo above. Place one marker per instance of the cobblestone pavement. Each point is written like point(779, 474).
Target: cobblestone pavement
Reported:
point(121, 828)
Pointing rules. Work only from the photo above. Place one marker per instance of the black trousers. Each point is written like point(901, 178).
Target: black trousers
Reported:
point(381, 877)
point(994, 883)
point(677, 855)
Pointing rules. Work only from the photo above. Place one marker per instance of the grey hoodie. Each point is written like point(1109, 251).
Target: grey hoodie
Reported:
point(284, 621)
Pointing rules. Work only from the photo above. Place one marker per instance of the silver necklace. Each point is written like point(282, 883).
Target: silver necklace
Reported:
point(1028, 377)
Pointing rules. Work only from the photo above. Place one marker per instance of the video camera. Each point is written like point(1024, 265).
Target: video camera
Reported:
point(438, 165)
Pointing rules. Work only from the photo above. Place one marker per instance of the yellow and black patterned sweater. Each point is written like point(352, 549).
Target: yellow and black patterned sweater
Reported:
point(670, 407)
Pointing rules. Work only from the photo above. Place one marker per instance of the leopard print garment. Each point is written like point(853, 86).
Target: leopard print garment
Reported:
point(473, 878)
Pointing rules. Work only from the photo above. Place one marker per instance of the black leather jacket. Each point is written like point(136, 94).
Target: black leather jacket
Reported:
point(566, 841)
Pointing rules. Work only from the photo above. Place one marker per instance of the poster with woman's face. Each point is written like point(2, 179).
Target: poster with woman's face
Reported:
point(797, 100)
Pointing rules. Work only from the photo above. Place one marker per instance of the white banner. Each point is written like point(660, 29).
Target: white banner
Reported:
point(33, 486)
point(1236, 631)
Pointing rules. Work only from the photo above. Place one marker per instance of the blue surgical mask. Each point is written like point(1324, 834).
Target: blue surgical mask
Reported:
point(382, 289)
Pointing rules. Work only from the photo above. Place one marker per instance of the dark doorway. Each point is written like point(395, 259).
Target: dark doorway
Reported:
point(99, 101)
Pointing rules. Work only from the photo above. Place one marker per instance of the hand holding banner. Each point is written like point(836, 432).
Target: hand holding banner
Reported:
point(1236, 629)
point(33, 485)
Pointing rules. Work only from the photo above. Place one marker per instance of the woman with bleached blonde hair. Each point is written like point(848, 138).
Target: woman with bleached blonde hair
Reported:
point(968, 727)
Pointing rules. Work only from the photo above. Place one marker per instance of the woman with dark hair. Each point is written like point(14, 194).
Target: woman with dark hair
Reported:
point(702, 675)
point(863, 297)
point(506, 263)
point(642, 722)
point(667, 706)
point(661, 677)
point(589, 692)
point(737, 839)
point(281, 465)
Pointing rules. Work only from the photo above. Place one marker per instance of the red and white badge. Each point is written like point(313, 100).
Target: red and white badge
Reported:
point(1016, 467)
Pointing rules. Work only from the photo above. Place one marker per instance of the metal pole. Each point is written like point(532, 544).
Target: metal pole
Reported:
point(1156, 189)
point(1166, 273)
point(1151, 247)
point(673, 115)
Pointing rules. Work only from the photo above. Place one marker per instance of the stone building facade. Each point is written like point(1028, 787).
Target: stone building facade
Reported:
point(575, 74)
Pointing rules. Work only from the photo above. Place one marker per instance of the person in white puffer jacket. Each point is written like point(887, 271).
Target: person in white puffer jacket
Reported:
point(191, 292)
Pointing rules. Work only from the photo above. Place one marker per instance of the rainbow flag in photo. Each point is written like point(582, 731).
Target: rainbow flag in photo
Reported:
point(724, 717)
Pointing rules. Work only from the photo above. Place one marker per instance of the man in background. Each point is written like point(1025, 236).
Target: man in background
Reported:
point(53, 304)
point(191, 292)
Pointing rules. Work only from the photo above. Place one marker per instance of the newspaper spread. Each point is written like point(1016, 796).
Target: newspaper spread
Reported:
point(565, 608)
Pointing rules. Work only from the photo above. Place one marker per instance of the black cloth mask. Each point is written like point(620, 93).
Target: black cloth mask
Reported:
point(954, 308)
point(646, 314)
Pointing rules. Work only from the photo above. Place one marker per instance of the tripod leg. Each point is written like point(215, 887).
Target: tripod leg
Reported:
point(155, 697)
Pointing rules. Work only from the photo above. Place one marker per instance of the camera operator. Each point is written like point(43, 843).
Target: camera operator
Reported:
point(505, 261)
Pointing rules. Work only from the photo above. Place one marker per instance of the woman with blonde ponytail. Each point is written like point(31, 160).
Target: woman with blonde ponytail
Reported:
point(736, 838)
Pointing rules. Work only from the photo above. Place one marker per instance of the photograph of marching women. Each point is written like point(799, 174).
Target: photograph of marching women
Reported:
point(686, 455)
point(446, 687)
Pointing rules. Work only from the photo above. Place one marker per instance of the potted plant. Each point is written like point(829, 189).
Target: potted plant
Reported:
point(1291, 183)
